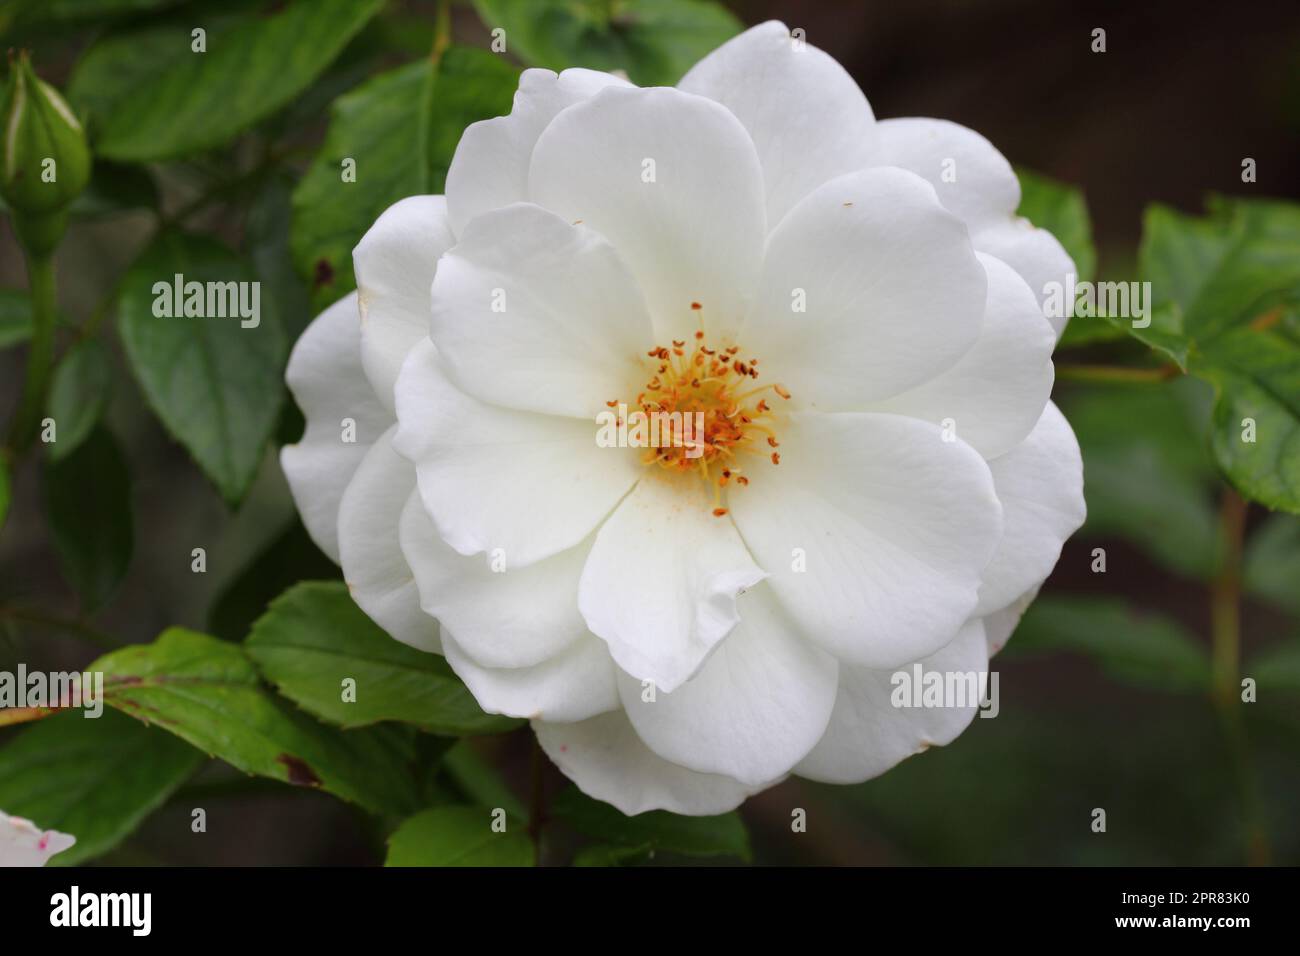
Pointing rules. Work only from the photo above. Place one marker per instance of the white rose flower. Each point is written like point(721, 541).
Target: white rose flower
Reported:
point(23, 844)
point(883, 478)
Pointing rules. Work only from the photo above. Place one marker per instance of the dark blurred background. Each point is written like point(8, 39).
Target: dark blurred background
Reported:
point(1184, 92)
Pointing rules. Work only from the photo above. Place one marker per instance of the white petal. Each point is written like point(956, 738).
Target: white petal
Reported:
point(977, 183)
point(808, 119)
point(608, 762)
point(575, 684)
point(328, 383)
point(537, 314)
point(22, 843)
point(1036, 254)
point(1040, 485)
point(395, 262)
point(661, 581)
point(673, 182)
point(757, 706)
point(999, 626)
point(874, 530)
point(869, 287)
point(532, 485)
point(972, 178)
point(868, 734)
point(501, 616)
point(377, 574)
point(490, 167)
point(996, 392)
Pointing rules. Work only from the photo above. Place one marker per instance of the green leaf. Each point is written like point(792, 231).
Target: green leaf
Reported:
point(216, 386)
point(266, 237)
point(1178, 254)
point(480, 782)
point(1258, 271)
point(78, 395)
point(456, 836)
point(88, 497)
point(1166, 334)
point(1103, 327)
point(290, 558)
point(1143, 649)
point(1271, 565)
point(44, 13)
point(1225, 270)
point(1151, 486)
point(1277, 667)
point(15, 317)
point(314, 637)
point(206, 691)
point(126, 60)
point(1212, 275)
point(1061, 210)
point(1089, 330)
point(366, 54)
point(95, 778)
point(174, 101)
point(722, 835)
point(1222, 287)
point(654, 41)
point(1257, 377)
point(401, 128)
point(604, 854)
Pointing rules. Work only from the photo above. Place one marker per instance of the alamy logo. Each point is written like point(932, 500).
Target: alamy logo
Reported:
point(53, 690)
point(1117, 300)
point(919, 688)
point(637, 429)
point(74, 908)
point(208, 300)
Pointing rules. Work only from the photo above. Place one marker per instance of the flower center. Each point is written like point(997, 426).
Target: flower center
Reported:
point(718, 420)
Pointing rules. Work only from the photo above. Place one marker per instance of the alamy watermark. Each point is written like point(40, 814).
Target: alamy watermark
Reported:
point(208, 300)
point(619, 428)
point(919, 688)
point(52, 690)
point(133, 911)
point(1116, 300)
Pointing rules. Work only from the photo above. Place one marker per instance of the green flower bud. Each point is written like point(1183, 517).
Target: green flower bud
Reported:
point(45, 161)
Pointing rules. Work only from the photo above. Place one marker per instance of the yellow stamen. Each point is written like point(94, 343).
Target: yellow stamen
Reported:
point(702, 381)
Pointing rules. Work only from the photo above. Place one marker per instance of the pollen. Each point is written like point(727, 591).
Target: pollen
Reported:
point(721, 419)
